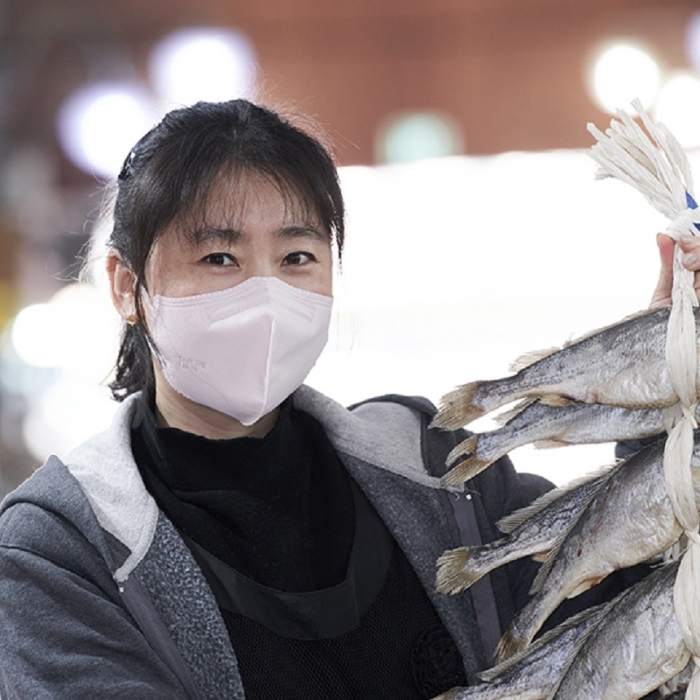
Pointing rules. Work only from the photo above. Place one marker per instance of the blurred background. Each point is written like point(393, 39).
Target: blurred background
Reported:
point(477, 230)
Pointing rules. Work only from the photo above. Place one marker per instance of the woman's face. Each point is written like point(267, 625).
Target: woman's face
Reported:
point(249, 230)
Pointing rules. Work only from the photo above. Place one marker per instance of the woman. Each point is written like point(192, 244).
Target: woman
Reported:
point(234, 533)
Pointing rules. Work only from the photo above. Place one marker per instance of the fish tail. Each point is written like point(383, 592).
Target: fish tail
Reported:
point(465, 470)
point(465, 447)
point(453, 574)
point(510, 644)
point(458, 407)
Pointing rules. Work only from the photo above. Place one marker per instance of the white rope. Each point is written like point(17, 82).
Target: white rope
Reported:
point(649, 158)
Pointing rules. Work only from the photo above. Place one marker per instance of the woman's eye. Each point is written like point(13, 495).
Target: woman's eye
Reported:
point(298, 258)
point(219, 259)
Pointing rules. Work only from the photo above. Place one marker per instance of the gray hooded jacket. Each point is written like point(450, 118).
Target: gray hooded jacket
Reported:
point(101, 598)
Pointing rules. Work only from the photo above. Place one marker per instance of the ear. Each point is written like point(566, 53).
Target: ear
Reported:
point(122, 286)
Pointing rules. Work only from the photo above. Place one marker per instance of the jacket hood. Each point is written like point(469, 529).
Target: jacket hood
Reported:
point(385, 436)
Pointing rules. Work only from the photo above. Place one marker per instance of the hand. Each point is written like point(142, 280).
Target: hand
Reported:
point(691, 261)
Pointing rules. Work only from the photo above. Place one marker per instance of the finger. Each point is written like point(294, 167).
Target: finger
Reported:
point(690, 245)
point(664, 286)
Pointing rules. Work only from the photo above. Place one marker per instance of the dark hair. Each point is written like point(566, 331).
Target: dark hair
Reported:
point(171, 172)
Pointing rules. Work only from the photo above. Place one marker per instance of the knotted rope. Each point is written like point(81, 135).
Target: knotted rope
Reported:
point(651, 160)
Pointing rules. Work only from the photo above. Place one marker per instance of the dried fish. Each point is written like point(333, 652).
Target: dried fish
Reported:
point(621, 365)
point(633, 651)
point(534, 674)
point(552, 426)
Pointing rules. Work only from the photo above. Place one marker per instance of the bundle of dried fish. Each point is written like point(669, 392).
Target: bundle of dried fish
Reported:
point(629, 520)
point(581, 534)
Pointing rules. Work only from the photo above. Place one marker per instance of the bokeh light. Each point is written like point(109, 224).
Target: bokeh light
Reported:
point(621, 71)
point(417, 135)
point(692, 41)
point(211, 64)
point(99, 123)
point(76, 334)
point(678, 107)
point(30, 327)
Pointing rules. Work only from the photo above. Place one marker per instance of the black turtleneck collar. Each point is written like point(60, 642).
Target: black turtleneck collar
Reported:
point(277, 509)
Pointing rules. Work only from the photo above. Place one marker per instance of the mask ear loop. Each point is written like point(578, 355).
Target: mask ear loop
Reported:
point(141, 320)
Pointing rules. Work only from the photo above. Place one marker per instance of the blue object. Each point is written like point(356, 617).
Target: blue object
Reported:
point(692, 204)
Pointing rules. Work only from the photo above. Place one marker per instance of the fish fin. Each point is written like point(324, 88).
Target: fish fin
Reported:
point(597, 611)
point(625, 319)
point(452, 575)
point(530, 358)
point(546, 567)
point(466, 447)
point(549, 443)
point(507, 416)
point(539, 557)
point(586, 585)
point(515, 519)
point(452, 694)
point(464, 471)
point(556, 400)
point(509, 645)
point(492, 673)
point(457, 408)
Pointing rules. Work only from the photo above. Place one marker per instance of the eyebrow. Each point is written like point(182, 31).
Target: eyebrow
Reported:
point(204, 235)
point(230, 236)
point(289, 232)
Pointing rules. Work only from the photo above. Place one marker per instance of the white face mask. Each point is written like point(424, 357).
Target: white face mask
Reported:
point(242, 350)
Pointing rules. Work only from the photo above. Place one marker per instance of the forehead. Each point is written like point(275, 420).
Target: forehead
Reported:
point(239, 204)
point(236, 198)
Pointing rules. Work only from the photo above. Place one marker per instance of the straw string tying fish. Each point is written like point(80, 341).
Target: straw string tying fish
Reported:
point(652, 161)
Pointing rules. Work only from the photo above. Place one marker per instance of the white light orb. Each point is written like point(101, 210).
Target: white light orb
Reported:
point(620, 72)
point(210, 64)
point(692, 41)
point(99, 124)
point(83, 329)
point(31, 328)
point(678, 107)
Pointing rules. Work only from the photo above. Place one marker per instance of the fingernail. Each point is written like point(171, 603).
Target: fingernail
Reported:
point(690, 259)
point(687, 238)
